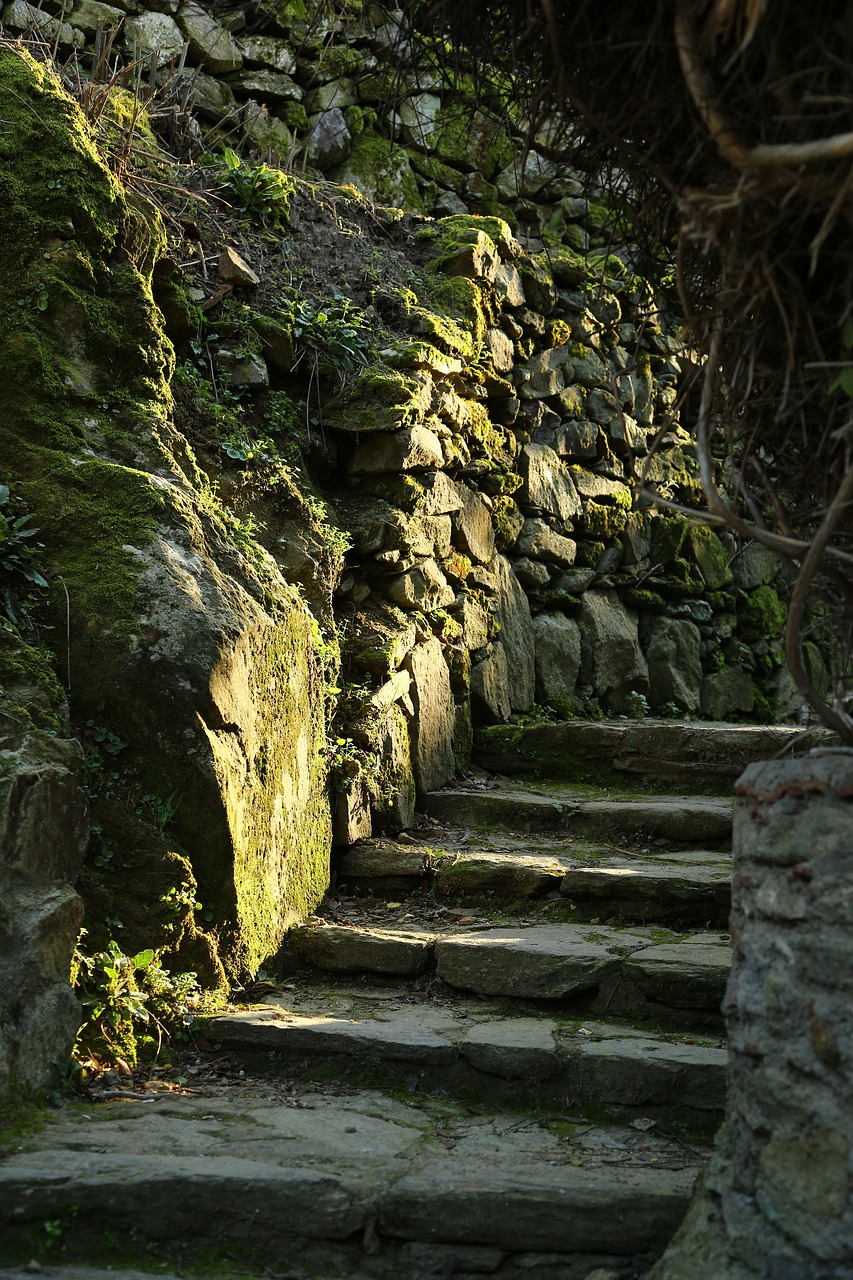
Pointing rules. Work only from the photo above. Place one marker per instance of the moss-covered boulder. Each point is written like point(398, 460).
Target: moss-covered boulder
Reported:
point(191, 648)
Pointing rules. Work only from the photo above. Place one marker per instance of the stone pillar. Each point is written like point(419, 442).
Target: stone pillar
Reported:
point(776, 1201)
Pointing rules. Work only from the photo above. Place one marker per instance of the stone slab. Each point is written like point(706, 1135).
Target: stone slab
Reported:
point(515, 1048)
point(697, 757)
point(504, 875)
point(652, 891)
point(635, 1071)
point(681, 819)
point(344, 950)
point(543, 962)
point(563, 1209)
point(402, 1040)
point(370, 860)
point(688, 975)
point(244, 1165)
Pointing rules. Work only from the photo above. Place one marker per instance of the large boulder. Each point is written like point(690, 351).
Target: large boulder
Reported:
point(675, 668)
point(191, 648)
point(558, 656)
point(433, 760)
point(512, 612)
point(43, 834)
point(612, 661)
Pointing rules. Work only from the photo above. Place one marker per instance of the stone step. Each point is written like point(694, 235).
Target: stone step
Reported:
point(603, 882)
point(681, 820)
point(472, 1049)
point(700, 757)
point(641, 972)
point(358, 1185)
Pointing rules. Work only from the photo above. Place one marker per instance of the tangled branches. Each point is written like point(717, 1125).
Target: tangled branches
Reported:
point(735, 127)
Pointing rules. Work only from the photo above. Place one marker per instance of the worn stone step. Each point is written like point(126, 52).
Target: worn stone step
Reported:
point(476, 1050)
point(641, 969)
point(341, 1185)
point(680, 820)
point(686, 887)
point(692, 756)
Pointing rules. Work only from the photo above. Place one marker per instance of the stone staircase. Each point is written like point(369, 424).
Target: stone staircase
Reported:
point(498, 1051)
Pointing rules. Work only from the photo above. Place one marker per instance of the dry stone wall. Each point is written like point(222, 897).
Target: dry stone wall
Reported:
point(487, 465)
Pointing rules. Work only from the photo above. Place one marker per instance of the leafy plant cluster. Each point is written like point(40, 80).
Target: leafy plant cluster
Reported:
point(120, 994)
point(257, 190)
point(327, 332)
point(19, 554)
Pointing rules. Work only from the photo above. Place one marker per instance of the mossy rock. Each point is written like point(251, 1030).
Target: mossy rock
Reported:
point(761, 615)
point(468, 139)
point(381, 171)
point(173, 635)
point(668, 534)
point(381, 399)
point(711, 557)
point(538, 282)
point(30, 694)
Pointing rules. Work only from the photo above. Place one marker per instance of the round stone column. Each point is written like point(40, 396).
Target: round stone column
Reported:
point(776, 1201)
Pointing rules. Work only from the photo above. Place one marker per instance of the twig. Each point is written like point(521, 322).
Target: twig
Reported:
point(836, 718)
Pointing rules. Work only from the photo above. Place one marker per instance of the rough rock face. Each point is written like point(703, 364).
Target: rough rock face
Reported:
point(43, 834)
point(204, 661)
point(558, 656)
point(776, 1199)
point(675, 668)
point(612, 660)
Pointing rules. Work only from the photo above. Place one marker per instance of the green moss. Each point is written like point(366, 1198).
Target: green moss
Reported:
point(382, 171)
point(20, 1118)
point(30, 694)
point(294, 116)
point(279, 813)
point(567, 267)
point(642, 598)
point(486, 440)
point(761, 615)
point(604, 521)
point(712, 558)
point(381, 399)
point(469, 139)
point(91, 513)
point(538, 283)
point(559, 332)
point(461, 310)
point(504, 517)
point(668, 534)
point(460, 228)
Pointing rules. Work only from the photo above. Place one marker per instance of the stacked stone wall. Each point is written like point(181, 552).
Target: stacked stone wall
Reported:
point(487, 467)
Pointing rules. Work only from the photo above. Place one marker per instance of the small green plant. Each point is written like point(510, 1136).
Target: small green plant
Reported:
point(159, 810)
point(635, 706)
point(104, 739)
point(56, 1228)
point(37, 299)
point(244, 448)
point(258, 190)
point(328, 331)
point(350, 764)
point(179, 899)
point(119, 993)
point(108, 986)
point(670, 711)
point(19, 553)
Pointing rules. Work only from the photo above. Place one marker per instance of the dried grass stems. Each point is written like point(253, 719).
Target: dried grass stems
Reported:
point(733, 120)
